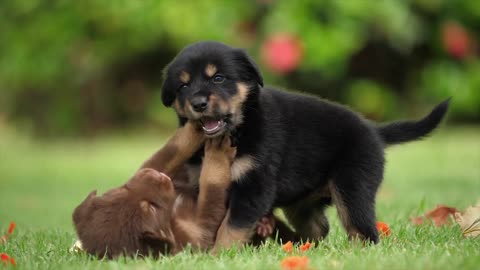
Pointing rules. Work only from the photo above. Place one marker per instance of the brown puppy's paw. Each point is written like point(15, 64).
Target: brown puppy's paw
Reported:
point(220, 149)
point(152, 173)
point(190, 137)
point(265, 226)
point(195, 127)
point(229, 150)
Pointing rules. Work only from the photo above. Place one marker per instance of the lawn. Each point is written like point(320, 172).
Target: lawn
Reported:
point(42, 182)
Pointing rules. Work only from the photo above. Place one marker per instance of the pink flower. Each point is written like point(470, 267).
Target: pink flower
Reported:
point(282, 53)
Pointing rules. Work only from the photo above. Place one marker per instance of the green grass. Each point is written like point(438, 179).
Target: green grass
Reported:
point(41, 183)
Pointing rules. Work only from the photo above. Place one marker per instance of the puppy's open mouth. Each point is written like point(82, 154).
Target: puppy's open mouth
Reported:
point(212, 126)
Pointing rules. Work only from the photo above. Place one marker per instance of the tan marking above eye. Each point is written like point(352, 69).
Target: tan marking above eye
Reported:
point(185, 77)
point(210, 70)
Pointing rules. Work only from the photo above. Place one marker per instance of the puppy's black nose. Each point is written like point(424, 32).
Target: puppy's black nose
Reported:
point(199, 104)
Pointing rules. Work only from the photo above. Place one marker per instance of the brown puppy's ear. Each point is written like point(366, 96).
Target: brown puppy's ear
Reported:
point(158, 241)
point(168, 88)
point(249, 68)
point(156, 238)
point(83, 209)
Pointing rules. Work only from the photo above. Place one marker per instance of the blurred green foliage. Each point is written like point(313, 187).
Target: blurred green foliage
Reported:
point(77, 67)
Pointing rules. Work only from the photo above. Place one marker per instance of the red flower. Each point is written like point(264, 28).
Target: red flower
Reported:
point(287, 247)
point(383, 228)
point(294, 263)
point(305, 246)
point(456, 40)
point(7, 259)
point(4, 257)
point(282, 53)
point(11, 228)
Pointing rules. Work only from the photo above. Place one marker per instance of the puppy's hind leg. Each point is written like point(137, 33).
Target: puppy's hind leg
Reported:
point(353, 192)
point(309, 220)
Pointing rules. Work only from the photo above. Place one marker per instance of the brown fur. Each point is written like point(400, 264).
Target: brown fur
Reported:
point(128, 219)
point(142, 217)
point(179, 148)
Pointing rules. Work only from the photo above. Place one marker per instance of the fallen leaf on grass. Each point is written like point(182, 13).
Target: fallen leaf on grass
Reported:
point(11, 227)
point(469, 221)
point(295, 263)
point(441, 215)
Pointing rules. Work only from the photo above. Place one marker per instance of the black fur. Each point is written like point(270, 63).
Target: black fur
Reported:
point(234, 62)
point(300, 143)
point(404, 131)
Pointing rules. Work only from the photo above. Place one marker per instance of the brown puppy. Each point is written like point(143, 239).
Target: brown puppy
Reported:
point(145, 216)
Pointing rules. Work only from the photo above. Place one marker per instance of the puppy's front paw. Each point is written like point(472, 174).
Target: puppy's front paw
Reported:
point(192, 133)
point(219, 149)
point(228, 148)
point(194, 127)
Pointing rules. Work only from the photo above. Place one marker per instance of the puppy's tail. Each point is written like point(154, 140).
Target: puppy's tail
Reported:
point(405, 131)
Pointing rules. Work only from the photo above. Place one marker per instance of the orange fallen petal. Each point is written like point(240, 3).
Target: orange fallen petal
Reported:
point(11, 228)
point(383, 228)
point(295, 263)
point(287, 247)
point(305, 246)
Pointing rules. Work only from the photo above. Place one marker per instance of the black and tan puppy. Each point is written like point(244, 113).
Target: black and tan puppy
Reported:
point(288, 144)
point(147, 215)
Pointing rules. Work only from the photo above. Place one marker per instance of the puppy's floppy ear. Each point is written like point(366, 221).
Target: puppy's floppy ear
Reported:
point(81, 212)
point(248, 66)
point(168, 89)
point(158, 241)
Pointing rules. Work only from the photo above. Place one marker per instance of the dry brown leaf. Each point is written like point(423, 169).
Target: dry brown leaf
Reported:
point(441, 215)
point(469, 221)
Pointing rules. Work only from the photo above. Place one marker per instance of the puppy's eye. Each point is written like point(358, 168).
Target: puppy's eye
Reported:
point(182, 86)
point(153, 207)
point(218, 78)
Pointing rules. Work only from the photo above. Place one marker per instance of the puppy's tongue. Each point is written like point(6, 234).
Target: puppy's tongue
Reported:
point(211, 125)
